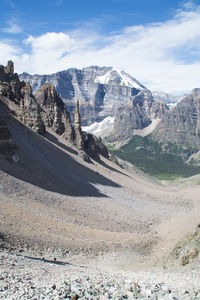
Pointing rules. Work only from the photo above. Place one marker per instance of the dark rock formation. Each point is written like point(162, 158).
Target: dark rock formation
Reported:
point(137, 114)
point(20, 98)
point(10, 84)
point(100, 90)
point(30, 113)
point(94, 147)
point(53, 108)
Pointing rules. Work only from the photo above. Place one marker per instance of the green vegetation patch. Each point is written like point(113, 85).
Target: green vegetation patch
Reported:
point(162, 161)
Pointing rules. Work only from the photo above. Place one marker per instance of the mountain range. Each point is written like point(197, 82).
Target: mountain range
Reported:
point(117, 107)
point(100, 90)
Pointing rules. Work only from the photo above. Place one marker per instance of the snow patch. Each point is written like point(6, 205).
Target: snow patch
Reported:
point(100, 129)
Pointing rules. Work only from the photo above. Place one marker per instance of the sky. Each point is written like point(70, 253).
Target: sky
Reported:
point(155, 41)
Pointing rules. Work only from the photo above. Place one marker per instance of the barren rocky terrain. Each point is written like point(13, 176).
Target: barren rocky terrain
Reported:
point(105, 230)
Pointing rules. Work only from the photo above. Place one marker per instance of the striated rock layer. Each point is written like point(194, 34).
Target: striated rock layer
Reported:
point(19, 98)
point(137, 115)
point(181, 125)
point(100, 90)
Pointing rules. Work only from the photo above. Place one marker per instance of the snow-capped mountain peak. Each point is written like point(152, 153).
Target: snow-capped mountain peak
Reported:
point(116, 76)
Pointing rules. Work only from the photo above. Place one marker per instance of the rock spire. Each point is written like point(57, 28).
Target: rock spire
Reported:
point(77, 128)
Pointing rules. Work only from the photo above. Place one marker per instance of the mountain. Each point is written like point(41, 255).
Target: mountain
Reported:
point(117, 107)
point(181, 126)
point(142, 113)
point(171, 100)
point(100, 90)
point(171, 148)
point(46, 111)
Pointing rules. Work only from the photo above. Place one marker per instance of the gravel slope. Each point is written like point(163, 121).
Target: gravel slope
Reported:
point(54, 204)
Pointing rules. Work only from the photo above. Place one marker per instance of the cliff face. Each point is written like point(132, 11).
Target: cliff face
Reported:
point(182, 124)
point(54, 112)
point(100, 90)
point(137, 115)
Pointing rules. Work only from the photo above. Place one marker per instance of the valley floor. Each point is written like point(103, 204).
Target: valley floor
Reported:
point(104, 218)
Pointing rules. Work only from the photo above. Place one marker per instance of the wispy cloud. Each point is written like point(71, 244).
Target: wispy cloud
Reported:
point(164, 56)
point(58, 2)
point(13, 26)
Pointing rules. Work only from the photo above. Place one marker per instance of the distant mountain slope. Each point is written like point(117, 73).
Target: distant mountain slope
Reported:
point(171, 100)
point(181, 126)
point(172, 147)
point(100, 90)
point(140, 113)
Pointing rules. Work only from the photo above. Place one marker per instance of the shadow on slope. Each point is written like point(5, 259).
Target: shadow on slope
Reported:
point(54, 140)
point(48, 167)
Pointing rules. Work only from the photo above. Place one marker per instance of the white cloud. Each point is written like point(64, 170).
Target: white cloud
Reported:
point(164, 56)
point(13, 27)
point(8, 51)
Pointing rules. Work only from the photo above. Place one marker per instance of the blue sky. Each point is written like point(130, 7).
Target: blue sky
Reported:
point(156, 41)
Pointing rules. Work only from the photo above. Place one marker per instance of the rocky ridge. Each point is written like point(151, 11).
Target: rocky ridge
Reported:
point(18, 98)
point(46, 110)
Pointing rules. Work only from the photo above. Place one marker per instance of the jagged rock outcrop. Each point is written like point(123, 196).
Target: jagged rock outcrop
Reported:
point(77, 128)
point(18, 97)
point(45, 109)
point(53, 107)
point(137, 115)
point(54, 112)
point(30, 113)
point(100, 90)
point(181, 125)
point(10, 84)
point(89, 143)
point(94, 146)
